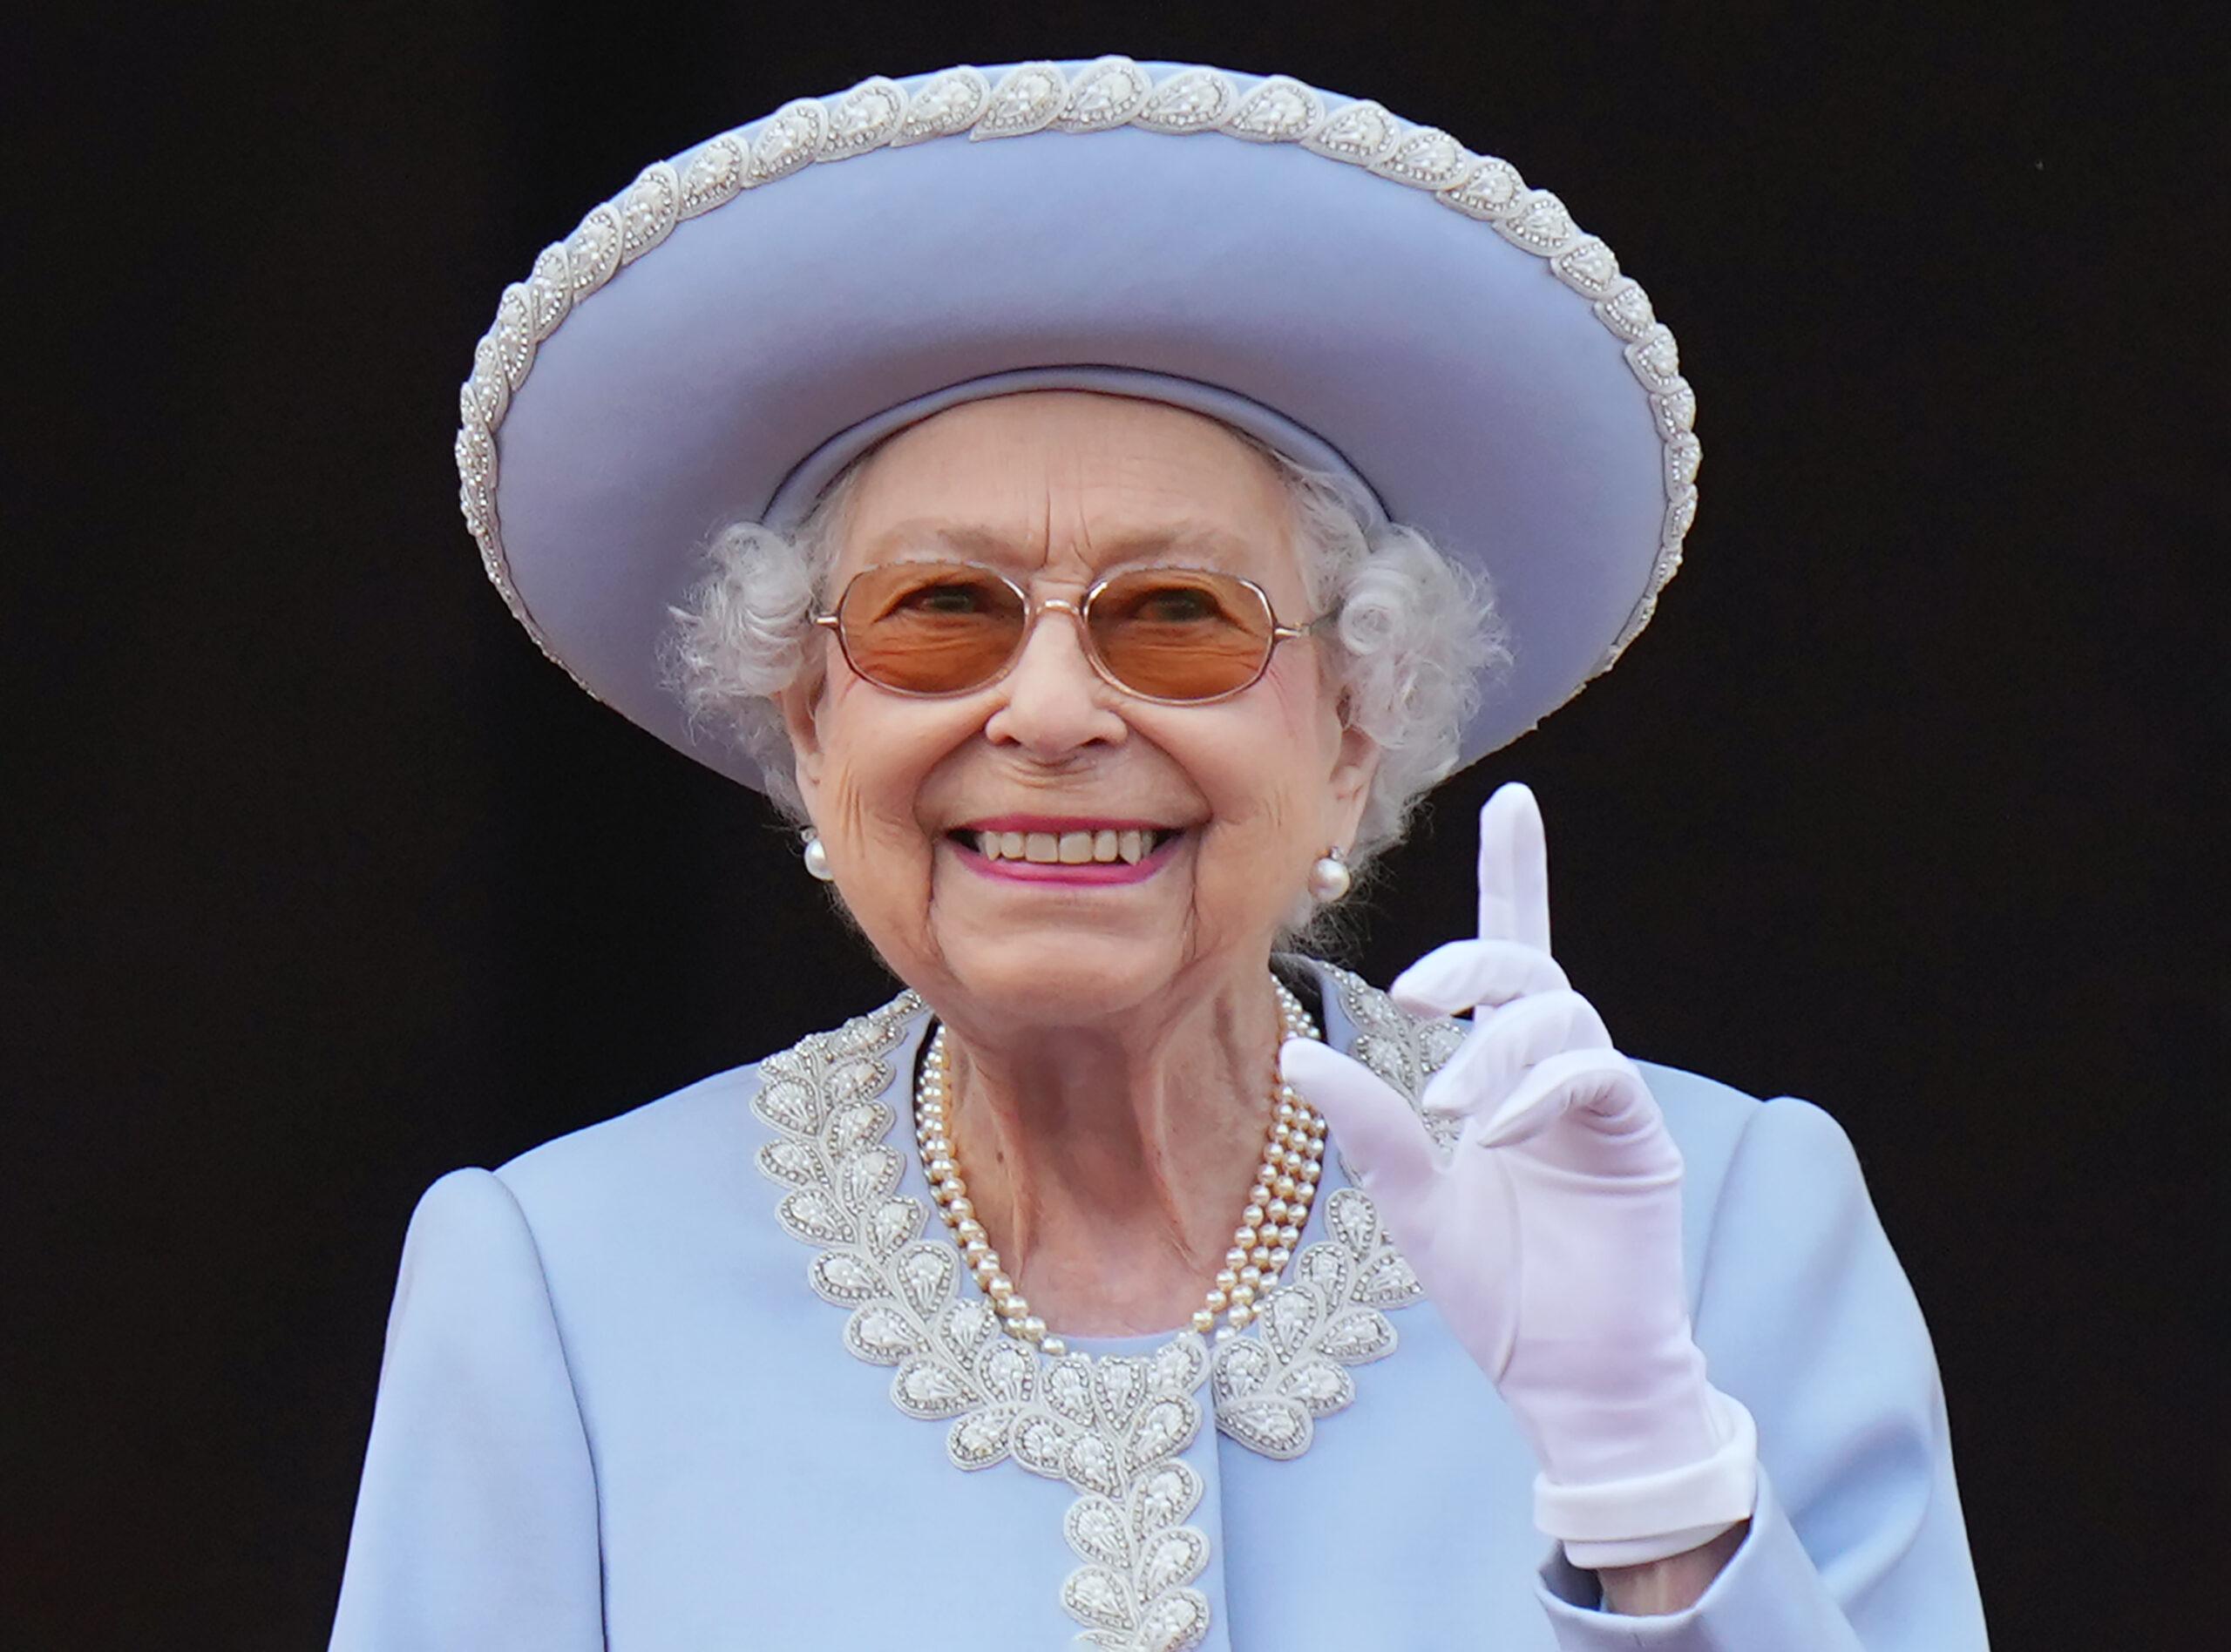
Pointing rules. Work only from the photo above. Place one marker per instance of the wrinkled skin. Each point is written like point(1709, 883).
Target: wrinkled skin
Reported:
point(1113, 1044)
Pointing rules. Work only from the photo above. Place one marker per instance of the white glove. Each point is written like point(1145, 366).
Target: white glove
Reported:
point(1550, 1238)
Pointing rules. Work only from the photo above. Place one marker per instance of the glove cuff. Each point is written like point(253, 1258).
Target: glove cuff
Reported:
point(1596, 1557)
point(1629, 1522)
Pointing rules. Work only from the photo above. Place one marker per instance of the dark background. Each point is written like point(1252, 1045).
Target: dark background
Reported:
point(1903, 804)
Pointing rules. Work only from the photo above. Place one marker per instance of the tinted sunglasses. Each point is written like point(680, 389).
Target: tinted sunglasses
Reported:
point(1183, 636)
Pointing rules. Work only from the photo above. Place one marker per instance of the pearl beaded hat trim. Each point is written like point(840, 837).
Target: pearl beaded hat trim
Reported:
point(1361, 293)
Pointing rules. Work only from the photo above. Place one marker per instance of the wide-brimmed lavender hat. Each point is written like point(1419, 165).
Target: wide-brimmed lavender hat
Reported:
point(1364, 294)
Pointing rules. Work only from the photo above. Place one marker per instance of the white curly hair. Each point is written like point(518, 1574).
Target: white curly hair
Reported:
point(1416, 638)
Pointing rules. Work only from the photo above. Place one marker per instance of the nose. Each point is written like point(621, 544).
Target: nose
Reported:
point(1053, 704)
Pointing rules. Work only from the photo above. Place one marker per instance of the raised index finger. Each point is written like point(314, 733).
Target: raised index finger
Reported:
point(1514, 869)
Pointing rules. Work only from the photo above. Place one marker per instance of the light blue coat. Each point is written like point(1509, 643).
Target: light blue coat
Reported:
point(613, 1413)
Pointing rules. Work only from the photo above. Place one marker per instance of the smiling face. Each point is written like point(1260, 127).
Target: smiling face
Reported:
point(922, 803)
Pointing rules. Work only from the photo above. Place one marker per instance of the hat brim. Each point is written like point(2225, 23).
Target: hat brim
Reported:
point(708, 345)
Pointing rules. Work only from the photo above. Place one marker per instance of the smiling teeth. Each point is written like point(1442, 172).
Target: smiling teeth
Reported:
point(1104, 847)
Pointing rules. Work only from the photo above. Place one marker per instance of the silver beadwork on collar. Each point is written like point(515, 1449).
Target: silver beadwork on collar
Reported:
point(1111, 1427)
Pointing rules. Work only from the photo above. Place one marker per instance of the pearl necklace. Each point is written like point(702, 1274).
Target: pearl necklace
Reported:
point(1270, 1225)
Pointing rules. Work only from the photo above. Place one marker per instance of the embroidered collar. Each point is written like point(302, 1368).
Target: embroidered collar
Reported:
point(1112, 1426)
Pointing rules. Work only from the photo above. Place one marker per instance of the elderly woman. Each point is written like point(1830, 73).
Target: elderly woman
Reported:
point(1065, 600)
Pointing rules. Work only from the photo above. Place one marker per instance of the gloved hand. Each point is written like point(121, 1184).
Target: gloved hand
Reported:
point(1549, 1239)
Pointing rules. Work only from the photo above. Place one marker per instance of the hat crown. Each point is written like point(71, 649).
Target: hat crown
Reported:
point(588, 551)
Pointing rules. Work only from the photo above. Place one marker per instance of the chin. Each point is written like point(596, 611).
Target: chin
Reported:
point(1061, 975)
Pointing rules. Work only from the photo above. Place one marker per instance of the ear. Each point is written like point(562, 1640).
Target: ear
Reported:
point(800, 704)
point(1355, 764)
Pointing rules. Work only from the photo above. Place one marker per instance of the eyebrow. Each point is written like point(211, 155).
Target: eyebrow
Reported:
point(982, 544)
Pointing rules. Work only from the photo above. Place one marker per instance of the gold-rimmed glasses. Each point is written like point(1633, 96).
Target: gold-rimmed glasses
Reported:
point(1180, 636)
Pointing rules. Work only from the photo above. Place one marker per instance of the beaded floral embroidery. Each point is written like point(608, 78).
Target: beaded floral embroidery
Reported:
point(1111, 1427)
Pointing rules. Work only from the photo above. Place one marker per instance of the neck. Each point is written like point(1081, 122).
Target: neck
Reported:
point(1110, 1162)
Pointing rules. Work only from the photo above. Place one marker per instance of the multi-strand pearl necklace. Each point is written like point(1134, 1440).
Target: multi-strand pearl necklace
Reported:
point(1270, 1225)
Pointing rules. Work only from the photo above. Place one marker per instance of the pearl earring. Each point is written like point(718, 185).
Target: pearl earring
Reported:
point(817, 858)
point(1329, 879)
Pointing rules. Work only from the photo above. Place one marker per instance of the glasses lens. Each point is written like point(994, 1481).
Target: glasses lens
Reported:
point(1181, 634)
point(929, 627)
